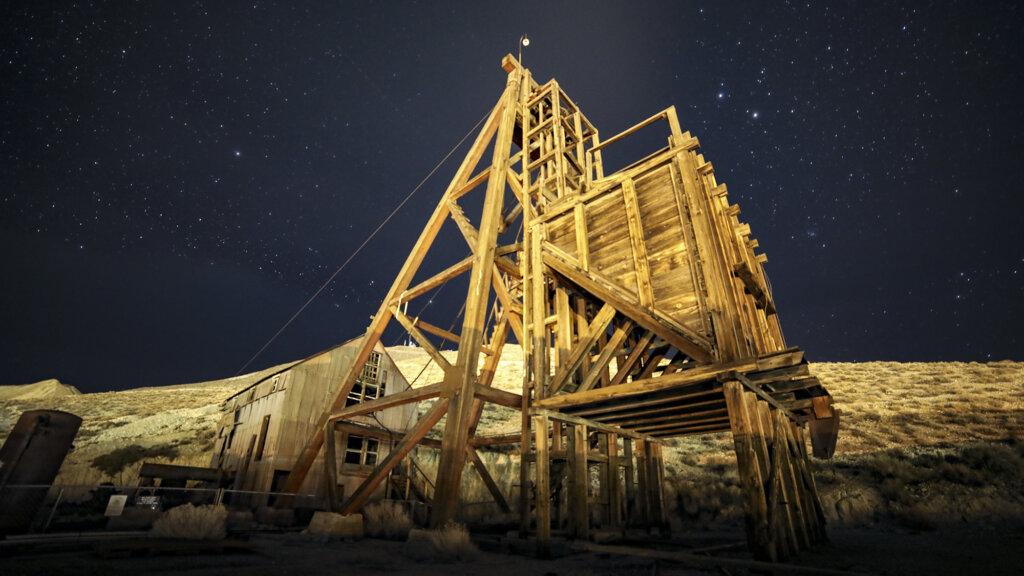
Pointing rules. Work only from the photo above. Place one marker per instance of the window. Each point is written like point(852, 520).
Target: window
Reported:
point(362, 451)
point(367, 386)
point(263, 437)
point(371, 367)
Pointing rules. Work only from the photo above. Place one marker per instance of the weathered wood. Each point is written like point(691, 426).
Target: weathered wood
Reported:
point(361, 494)
point(380, 320)
point(579, 482)
point(435, 281)
point(677, 380)
point(636, 240)
point(461, 379)
point(597, 368)
point(677, 335)
point(497, 396)
point(643, 501)
point(489, 482)
point(331, 470)
point(582, 348)
point(388, 401)
point(542, 486)
point(638, 352)
point(423, 341)
point(570, 419)
point(751, 477)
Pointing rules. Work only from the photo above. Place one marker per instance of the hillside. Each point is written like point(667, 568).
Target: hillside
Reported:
point(922, 444)
point(44, 389)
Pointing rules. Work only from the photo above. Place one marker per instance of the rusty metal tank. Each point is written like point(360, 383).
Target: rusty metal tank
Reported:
point(31, 456)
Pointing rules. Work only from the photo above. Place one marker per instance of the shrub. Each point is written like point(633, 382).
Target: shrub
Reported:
point(114, 463)
point(387, 519)
point(446, 544)
point(207, 522)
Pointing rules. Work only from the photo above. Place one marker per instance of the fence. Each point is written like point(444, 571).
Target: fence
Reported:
point(77, 508)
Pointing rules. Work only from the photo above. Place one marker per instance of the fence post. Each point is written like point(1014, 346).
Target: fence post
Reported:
point(54, 510)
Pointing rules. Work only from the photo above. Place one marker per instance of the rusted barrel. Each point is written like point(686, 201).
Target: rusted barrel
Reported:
point(32, 456)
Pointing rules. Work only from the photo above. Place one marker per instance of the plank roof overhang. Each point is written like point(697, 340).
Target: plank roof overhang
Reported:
point(691, 401)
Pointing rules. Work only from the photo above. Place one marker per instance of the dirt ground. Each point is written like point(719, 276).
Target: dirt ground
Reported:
point(878, 550)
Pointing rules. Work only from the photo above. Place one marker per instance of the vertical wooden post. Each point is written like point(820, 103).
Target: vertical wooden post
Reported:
point(579, 482)
point(741, 417)
point(642, 502)
point(630, 477)
point(331, 468)
point(656, 483)
point(525, 445)
point(604, 440)
point(614, 482)
point(543, 496)
point(460, 382)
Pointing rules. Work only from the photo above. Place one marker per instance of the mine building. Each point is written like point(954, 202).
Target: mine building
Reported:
point(264, 426)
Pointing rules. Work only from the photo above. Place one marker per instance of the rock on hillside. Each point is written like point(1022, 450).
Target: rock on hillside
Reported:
point(44, 389)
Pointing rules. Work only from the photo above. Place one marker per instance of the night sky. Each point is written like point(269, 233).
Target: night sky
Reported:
point(177, 179)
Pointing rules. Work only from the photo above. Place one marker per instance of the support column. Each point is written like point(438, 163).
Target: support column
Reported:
point(460, 382)
point(579, 482)
point(540, 425)
point(642, 502)
point(630, 477)
point(614, 483)
point(751, 459)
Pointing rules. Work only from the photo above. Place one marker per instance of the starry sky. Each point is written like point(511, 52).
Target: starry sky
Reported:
point(178, 178)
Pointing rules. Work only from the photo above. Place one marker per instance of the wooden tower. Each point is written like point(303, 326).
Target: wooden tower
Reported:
point(643, 313)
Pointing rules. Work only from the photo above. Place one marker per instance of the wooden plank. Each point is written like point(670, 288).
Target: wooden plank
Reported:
point(489, 482)
point(500, 397)
point(751, 479)
point(597, 369)
point(461, 379)
point(642, 484)
point(670, 381)
point(677, 335)
point(471, 184)
point(387, 401)
point(570, 419)
point(437, 331)
point(435, 281)
point(582, 243)
point(612, 484)
point(579, 481)
point(496, 440)
point(763, 395)
point(639, 350)
point(629, 131)
point(629, 476)
point(542, 485)
point(423, 341)
point(582, 348)
point(361, 494)
point(639, 247)
point(564, 327)
point(331, 467)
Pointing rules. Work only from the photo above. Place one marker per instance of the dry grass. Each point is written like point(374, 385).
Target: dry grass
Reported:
point(387, 519)
point(190, 522)
point(448, 544)
point(921, 444)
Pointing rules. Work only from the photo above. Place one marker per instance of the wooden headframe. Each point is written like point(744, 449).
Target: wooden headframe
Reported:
point(634, 296)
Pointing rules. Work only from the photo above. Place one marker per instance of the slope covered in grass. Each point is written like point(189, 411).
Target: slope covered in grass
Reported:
point(921, 444)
